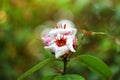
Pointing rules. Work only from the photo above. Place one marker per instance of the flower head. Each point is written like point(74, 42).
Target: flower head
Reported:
point(61, 40)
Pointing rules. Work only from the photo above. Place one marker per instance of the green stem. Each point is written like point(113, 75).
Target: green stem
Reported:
point(65, 65)
point(34, 68)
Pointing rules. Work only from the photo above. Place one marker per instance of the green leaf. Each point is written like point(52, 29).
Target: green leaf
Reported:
point(35, 68)
point(69, 77)
point(49, 77)
point(96, 65)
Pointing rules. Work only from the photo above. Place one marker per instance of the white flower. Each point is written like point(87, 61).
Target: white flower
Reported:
point(61, 40)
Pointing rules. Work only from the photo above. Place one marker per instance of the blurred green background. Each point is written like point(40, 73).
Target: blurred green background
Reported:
point(21, 24)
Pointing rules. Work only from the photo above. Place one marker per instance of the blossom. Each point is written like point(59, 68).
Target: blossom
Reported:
point(61, 40)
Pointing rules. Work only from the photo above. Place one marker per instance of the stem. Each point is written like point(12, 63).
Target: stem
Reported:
point(65, 65)
point(79, 43)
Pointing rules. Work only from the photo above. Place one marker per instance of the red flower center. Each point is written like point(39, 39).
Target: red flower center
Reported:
point(60, 42)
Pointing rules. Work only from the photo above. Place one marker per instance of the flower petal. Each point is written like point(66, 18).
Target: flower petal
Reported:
point(61, 51)
point(74, 31)
point(51, 47)
point(70, 44)
point(53, 32)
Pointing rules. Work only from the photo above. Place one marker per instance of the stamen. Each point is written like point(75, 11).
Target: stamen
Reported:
point(56, 26)
point(64, 26)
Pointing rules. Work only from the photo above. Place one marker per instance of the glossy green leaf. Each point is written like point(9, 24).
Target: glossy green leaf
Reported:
point(35, 68)
point(96, 65)
point(69, 77)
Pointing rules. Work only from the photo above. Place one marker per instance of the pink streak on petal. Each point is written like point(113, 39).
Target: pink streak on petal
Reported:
point(47, 40)
point(67, 33)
